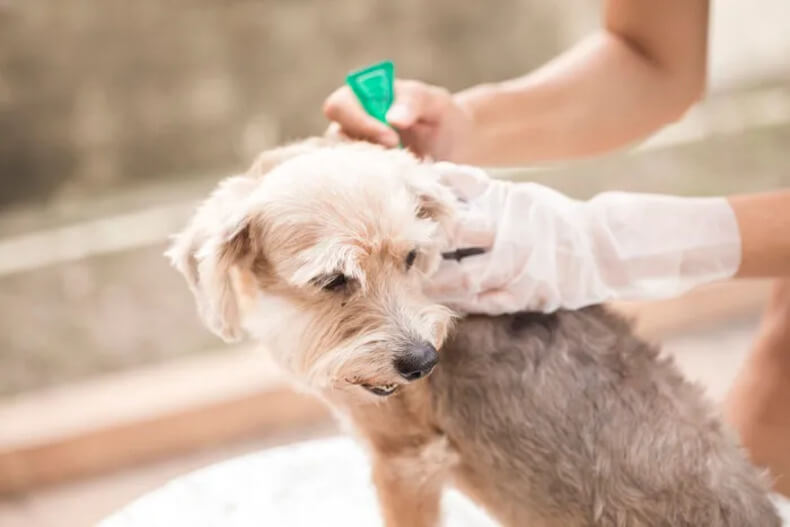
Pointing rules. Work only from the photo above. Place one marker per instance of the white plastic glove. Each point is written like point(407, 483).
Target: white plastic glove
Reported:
point(546, 251)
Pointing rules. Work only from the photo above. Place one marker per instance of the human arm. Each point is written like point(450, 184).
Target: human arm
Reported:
point(643, 69)
point(764, 223)
point(545, 251)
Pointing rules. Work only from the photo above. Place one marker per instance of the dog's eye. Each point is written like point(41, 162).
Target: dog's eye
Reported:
point(335, 283)
point(410, 258)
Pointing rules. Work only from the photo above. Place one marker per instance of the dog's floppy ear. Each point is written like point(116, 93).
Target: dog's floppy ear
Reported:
point(205, 252)
point(219, 237)
point(216, 258)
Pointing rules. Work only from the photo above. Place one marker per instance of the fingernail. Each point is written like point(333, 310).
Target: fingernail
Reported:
point(399, 114)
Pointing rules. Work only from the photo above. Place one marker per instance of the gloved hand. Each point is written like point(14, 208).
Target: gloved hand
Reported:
point(545, 251)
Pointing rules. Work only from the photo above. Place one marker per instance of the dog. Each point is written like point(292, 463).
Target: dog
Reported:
point(321, 252)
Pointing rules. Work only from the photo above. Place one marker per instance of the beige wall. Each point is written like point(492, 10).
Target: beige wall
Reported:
point(97, 93)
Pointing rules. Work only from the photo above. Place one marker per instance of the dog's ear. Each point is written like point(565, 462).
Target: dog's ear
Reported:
point(436, 203)
point(216, 259)
point(219, 238)
point(215, 240)
point(432, 206)
point(434, 200)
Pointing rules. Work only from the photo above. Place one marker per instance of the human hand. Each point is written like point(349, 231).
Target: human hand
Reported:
point(426, 119)
point(546, 251)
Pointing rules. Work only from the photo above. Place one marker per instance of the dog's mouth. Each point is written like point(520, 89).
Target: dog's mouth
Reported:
point(382, 390)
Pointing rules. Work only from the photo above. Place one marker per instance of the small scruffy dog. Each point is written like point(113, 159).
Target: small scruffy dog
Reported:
point(320, 252)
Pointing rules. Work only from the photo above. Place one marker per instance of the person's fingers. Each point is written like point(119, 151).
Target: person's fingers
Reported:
point(450, 281)
point(472, 229)
point(413, 139)
point(467, 182)
point(401, 115)
point(417, 102)
point(469, 306)
point(483, 272)
point(416, 109)
point(343, 108)
point(503, 300)
point(464, 278)
point(494, 302)
point(469, 286)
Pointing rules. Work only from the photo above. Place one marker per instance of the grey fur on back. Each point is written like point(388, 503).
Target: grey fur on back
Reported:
point(572, 416)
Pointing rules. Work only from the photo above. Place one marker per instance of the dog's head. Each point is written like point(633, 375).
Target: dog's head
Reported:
point(320, 253)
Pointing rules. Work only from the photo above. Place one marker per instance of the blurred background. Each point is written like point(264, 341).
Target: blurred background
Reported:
point(115, 117)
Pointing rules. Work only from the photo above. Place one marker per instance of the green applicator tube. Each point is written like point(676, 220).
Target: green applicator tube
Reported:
point(374, 87)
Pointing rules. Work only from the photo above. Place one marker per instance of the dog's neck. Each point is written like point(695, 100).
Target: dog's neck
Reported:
point(401, 420)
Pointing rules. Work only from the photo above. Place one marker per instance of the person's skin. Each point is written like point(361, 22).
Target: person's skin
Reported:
point(758, 404)
point(642, 70)
point(764, 220)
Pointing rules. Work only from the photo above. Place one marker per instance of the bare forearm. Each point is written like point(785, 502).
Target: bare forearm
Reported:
point(610, 90)
point(764, 224)
point(598, 97)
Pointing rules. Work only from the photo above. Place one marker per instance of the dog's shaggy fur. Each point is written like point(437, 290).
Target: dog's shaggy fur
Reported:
point(568, 419)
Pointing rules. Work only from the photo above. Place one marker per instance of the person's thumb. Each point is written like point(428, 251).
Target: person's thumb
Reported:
point(415, 102)
point(401, 115)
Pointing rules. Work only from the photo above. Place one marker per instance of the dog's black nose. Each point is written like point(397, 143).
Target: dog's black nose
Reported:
point(417, 361)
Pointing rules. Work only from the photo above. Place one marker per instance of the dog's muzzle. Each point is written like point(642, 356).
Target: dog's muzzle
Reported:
point(413, 363)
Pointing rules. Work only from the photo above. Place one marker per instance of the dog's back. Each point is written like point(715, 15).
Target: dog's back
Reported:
point(569, 419)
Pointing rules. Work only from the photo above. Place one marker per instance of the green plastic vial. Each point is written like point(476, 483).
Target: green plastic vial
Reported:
point(374, 86)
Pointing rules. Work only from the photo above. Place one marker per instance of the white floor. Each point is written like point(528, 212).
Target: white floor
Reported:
point(321, 482)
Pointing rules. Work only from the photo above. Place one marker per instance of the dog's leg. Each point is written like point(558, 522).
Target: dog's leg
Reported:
point(409, 483)
point(406, 497)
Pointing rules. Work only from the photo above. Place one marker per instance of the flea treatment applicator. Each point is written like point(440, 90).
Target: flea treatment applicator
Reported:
point(374, 86)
